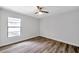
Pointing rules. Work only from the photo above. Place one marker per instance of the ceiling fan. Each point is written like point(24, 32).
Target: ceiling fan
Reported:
point(40, 10)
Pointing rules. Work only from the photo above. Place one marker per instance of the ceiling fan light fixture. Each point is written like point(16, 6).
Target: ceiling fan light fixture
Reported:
point(40, 13)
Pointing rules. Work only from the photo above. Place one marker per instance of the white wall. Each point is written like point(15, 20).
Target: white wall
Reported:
point(29, 27)
point(62, 27)
point(0, 25)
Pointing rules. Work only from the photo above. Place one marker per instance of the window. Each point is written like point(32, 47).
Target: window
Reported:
point(14, 25)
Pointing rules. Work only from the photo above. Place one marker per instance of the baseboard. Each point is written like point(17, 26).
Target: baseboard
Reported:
point(66, 42)
point(55, 39)
point(18, 42)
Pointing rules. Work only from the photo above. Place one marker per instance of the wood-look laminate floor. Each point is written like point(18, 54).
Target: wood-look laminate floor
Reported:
point(39, 45)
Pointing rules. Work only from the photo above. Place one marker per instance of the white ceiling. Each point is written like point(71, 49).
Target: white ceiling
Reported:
point(30, 10)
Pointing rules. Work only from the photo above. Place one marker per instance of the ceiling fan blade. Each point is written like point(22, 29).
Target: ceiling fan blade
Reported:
point(45, 11)
point(38, 7)
point(36, 12)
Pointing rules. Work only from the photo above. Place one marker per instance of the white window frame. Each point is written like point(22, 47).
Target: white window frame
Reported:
point(16, 32)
